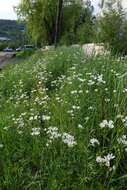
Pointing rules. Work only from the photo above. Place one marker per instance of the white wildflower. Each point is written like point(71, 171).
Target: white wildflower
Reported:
point(100, 79)
point(74, 92)
point(111, 124)
point(68, 139)
point(86, 118)
point(116, 105)
point(80, 91)
point(1, 145)
point(80, 126)
point(35, 131)
point(90, 82)
point(122, 140)
point(105, 160)
point(94, 142)
point(105, 123)
point(31, 118)
point(45, 117)
point(90, 108)
point(107, 100)
point(124, 120)
point(125, 90)
point(53, 132)
point(76, 107)
point(87, 91)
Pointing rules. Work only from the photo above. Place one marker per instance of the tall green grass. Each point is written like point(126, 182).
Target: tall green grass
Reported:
point(63, 122)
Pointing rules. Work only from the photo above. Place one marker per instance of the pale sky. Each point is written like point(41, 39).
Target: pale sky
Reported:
point(7, 12)
point(6, 9)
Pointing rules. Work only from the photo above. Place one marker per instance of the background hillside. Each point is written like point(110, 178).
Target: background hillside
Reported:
point(13, 30)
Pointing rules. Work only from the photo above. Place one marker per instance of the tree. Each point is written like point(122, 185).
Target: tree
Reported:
point(40, 17)
point(102, 3)
point(86, 26)
point(58, 20)
point(50, 21)
point(112, 27)
point(77, 23)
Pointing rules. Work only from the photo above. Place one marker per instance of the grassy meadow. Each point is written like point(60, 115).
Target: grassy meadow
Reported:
point(63, 122)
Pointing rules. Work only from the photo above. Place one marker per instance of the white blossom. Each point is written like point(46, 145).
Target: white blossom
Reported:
point(35, 131)
point(80, 126)
point(105, 123)
point(1, 145)
point(94, 142)
point(68, 139)
point(45, 117)
point(105, 160)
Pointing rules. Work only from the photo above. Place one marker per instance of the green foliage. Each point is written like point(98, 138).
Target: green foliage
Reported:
point(112, 29)
point(3, 45)
point(40, 17)
point(51, 107)
point(12, 30)
point(25, 53)
point(78, 27)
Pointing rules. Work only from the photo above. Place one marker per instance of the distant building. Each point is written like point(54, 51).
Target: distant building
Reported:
point(5, 39)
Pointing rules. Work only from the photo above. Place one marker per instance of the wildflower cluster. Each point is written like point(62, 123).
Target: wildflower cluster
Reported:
point(105, 160)
point(105, 123)
point(65, 137)
point(63, 112)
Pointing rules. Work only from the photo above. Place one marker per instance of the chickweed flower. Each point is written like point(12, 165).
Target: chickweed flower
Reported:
point(80, 126)
point(122, 140)
point(94, 141)
point(68, 139)
point(45, 117)
point(105, 160)
point(1, 145)
point(105, 123)
point(35, 131)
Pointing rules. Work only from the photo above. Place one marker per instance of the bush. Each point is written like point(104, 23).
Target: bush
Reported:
point(25, 53)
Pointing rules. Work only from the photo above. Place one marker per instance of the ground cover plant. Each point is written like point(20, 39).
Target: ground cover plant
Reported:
point(63, 122)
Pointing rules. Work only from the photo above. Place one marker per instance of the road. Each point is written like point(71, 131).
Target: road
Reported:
point(7, 58)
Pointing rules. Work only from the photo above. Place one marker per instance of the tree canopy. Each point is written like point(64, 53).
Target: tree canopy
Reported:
point(40, 16)
point(112, 27)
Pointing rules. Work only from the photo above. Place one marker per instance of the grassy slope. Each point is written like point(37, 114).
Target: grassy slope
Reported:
point(51, 107)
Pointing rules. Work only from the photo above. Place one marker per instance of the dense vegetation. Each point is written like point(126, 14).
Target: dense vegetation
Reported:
point(64, 122)
point(40, 17)
point(12, 30)
point(112, 28)
point(77, 23)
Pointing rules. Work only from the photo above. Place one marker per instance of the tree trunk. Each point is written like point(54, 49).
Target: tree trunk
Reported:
point(58, 21)
point(102, 3)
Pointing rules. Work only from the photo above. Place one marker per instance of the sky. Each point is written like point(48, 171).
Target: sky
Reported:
point(6, 9)
point(7, 12)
